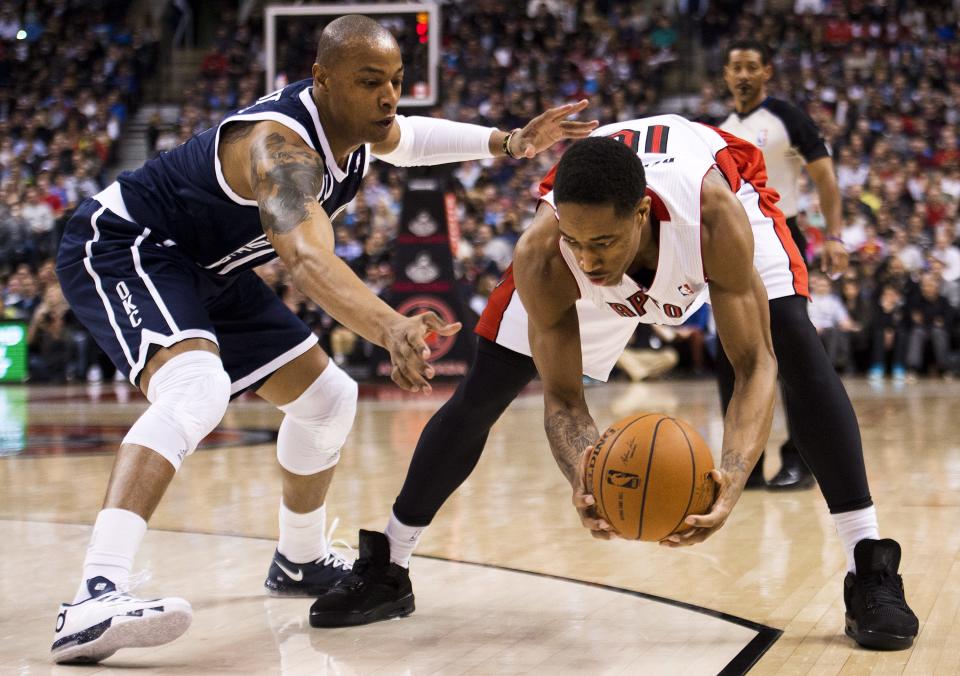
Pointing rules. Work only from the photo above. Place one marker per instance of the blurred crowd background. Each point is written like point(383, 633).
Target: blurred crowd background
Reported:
point(880, 77)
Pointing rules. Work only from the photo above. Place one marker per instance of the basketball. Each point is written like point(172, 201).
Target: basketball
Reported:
point(647, 473)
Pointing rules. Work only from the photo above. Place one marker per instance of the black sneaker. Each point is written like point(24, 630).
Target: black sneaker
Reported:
point(376, 589)
point(877, 612)
point(286, 578)
point(793, 476)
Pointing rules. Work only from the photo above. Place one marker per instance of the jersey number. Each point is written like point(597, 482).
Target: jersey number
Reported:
point(627, 137)
point(656, 140)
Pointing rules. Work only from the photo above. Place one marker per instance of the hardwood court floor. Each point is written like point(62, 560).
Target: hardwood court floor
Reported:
point(777, 561)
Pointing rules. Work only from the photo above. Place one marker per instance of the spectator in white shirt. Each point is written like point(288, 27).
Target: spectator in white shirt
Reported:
point(908, 252)
point(850, 171)
point(947, 253)
point(829, 316)
point(38, 213)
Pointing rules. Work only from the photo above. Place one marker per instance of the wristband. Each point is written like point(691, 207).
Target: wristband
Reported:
point(506, 145)
point(831, 238)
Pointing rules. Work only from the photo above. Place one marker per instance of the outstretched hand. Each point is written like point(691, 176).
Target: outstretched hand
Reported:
point(549, 127)
point(407, 344)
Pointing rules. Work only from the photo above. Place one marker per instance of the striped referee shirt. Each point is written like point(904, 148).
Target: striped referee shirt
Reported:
point(788, 138)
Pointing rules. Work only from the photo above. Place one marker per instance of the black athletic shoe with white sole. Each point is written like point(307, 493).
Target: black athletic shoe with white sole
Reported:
point(286, 578)
point(94, 629)
point(877, 612)
point(376, 589)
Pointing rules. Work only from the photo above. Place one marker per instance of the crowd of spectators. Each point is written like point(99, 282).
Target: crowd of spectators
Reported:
point(70, 75)
point(880, 77)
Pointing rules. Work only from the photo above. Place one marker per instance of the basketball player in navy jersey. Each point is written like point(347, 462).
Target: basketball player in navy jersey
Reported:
point(790, 142)
point(635, 224)
point(159, 267)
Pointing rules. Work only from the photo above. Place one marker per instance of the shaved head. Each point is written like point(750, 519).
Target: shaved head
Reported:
point(349, 31)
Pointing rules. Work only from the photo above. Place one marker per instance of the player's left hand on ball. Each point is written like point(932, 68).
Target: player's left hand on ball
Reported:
point(585, 504)
point(703, 526)
point(549, 127)
point(406, 342)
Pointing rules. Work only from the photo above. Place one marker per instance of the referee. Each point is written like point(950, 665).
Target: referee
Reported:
point(790, 141)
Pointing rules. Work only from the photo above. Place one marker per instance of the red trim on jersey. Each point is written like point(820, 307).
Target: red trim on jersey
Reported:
point(743, 162)
point(703, 268)
point(492, 317)
point(659, 208)
point(546, 185)
point(797, 265)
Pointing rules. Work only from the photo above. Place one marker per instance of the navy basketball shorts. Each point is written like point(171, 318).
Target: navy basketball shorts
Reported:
point(133, 292)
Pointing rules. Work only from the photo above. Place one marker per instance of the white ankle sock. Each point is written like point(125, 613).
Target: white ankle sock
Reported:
point(302, 537)
point(855, 526)
point(116, 538)
point(403, 540)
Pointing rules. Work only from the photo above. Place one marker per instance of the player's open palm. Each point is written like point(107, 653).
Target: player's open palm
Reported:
point(549, 127)
point(407, 343)
point(703, 526)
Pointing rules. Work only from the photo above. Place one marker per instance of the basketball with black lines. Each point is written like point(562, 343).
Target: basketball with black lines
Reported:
point(647, 473)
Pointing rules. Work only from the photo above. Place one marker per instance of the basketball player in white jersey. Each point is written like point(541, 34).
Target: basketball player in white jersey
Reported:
point(635, 225)
point(790, 142)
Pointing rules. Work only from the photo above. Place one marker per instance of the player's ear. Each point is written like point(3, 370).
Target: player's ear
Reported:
point(642, 214)
point(319, 76)
point(767, 72)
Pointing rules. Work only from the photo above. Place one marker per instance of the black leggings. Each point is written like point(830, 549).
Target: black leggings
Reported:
point(820, 417)
point(453, 440)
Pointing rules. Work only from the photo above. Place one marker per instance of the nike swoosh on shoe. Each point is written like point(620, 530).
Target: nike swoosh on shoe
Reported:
point(295, 577)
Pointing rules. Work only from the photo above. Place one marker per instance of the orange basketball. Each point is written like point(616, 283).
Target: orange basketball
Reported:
point(647, 473)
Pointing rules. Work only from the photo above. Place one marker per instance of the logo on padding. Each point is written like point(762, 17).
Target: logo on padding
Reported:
point(422, 270)
point(422, 225)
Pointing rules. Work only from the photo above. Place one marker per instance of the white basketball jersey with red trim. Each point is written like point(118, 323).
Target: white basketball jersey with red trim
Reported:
point(676, 154)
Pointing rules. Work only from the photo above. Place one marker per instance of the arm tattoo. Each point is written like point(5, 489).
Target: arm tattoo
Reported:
point(286, 179)
point(235, 131)
point(733, 462)
point(569, 435)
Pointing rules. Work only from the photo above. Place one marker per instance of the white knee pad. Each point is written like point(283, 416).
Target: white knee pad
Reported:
point(317, 423)
point(188, 396)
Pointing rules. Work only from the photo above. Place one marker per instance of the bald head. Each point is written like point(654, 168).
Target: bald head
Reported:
point(352, 30)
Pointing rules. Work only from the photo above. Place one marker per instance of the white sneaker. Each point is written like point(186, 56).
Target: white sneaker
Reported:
point(644, 364)
point(94, 629)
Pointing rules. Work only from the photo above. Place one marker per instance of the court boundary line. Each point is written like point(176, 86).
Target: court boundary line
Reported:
point(741, 664)
point(744, 660)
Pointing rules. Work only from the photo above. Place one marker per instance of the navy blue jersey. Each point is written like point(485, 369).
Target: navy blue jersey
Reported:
point(184, 199)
